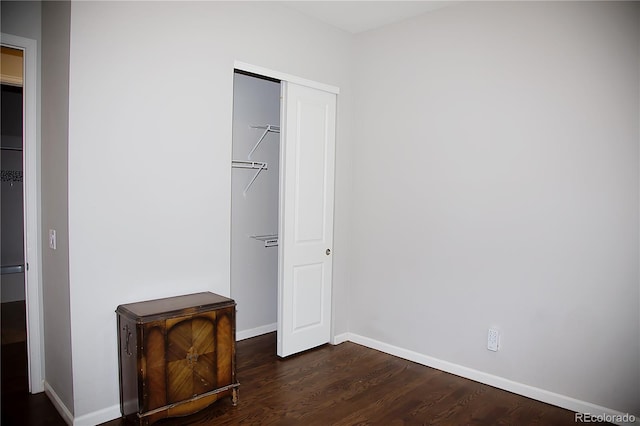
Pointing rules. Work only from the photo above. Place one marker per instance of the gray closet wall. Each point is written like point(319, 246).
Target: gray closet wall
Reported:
point(254, 267)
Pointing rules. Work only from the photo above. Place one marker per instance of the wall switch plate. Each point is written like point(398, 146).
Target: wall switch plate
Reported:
point(493, 339)
point(52, 239)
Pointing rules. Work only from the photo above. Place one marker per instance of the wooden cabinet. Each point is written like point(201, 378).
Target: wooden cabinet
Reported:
point(176, 355)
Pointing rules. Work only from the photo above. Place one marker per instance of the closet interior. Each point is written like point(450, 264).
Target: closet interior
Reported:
point(255, 203)
point(13, 268)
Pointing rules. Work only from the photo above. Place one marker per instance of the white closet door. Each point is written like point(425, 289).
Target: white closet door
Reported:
point(306, 218)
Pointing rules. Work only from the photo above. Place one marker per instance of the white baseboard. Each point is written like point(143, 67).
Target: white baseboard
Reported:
point(489, 379)
point(57, 402)
point(258, 331)
point(97, 417)
point(340, 338)
point(91, 419)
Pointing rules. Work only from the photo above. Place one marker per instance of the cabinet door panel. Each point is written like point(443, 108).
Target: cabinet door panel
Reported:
point(155, 366)
point(178, 339)
point(203, 336)
point(204, 352)
point(179, 381)
point(225, 344)
point(179, 372)
point(204, 373)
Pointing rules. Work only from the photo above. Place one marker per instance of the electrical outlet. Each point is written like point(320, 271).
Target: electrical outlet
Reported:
point(493, 339)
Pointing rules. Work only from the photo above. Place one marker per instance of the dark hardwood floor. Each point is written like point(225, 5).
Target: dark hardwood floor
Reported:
point(345, 384)
point(349, 384)
point(18, 408)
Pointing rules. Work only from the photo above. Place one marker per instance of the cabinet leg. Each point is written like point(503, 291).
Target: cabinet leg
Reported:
point(234, 396)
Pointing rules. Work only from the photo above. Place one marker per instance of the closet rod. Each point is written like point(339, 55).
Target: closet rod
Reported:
point(237, 164)
point(10, 148)
point(12, 269)
point(256, 165)
point(268, 128)
point(268, 240)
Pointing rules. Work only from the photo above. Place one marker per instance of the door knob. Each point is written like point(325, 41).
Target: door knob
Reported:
point(328, 252)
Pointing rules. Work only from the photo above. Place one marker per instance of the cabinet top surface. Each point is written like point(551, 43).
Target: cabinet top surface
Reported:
point(189, 303)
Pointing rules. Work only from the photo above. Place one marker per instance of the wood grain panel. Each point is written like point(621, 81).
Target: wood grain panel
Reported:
point(178, 339)
point(179, 371)
point(193, 406)
point(179, 381)
point(225, 338)
point(155, 382)
point(129, 365)
point(204, 340)
point(203, 334)
point(204, 374)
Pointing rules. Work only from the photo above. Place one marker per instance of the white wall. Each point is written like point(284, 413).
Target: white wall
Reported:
point(254, 267)
point(150, 118)
point(21, 18)
point(496, 184)
point(55, 263)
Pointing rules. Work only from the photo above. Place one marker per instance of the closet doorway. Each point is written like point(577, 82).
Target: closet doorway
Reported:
point(254, 203)
point(13, 309)
point(282, 207)
point(21, 260)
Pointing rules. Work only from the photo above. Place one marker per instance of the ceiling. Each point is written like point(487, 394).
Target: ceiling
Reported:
point(359, 16)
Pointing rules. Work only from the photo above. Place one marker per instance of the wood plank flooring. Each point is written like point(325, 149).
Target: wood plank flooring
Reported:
point(18, 408)
point(349, 384)
point(346, 384)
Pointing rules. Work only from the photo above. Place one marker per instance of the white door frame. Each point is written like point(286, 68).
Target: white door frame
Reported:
point(32, 231)
point(277, 75)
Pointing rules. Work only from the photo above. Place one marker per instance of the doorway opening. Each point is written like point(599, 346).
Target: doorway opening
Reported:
point(15, 377)
point(282, 207)
point(31, 248)
point(255, 202)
